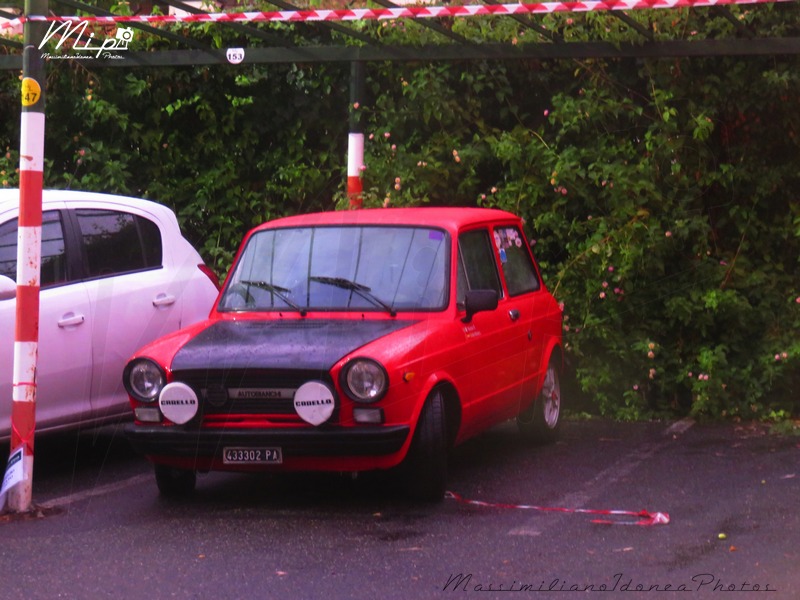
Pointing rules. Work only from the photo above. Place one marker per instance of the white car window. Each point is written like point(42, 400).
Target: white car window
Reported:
point(116, 242)
point(54, 263)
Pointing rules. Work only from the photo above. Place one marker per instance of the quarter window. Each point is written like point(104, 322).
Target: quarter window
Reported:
point(516, 261)
point(115, 242)
point(54, 263)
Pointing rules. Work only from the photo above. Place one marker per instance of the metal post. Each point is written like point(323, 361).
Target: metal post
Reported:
point(355, 140)
point(29, 250)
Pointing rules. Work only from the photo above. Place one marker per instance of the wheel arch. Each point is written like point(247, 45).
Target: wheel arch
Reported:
point(452, 411)
point(557, 354)
point(452, 405)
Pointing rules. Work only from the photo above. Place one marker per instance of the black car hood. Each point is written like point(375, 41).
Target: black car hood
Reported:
point(296, 344)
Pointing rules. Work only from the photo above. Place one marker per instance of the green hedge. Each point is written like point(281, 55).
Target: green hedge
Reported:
point(662, 195)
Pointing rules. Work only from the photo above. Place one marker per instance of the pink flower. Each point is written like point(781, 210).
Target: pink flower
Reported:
point(356, 105)
point(387, 135)
point(602, 295)
point(668, 234)
point(546, 112)
point(611, 269)
point(605, 284)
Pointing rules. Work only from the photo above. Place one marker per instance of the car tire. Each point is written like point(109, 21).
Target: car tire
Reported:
point(425, 466)
point(540, 423)
point(175, 483)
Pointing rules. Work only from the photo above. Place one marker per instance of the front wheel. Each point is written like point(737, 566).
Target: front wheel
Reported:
point(541, 422)
point(425, 467)
point(175, 483)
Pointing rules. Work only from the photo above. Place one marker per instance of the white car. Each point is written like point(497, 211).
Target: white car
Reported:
point(116, 274)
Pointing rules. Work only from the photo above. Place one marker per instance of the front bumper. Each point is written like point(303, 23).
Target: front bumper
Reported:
point(326, 442)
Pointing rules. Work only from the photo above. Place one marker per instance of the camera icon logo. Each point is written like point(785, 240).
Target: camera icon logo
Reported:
point(124, 34)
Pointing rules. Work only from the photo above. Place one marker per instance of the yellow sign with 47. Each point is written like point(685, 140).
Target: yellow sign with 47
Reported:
point(31, 91)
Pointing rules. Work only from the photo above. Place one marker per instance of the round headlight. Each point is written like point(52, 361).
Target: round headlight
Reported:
point(365, 380)
point(144, 379)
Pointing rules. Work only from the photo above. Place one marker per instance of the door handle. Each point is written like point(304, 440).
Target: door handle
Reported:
point(70, 320)
point(164, 300)
point(513, 314)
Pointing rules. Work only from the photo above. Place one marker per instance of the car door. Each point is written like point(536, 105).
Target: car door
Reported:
point(492, 359)
point(64, 366)
point(134, 299)
point(526, 305)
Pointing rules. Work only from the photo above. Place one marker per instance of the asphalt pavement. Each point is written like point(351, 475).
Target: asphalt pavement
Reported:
point(587, 515)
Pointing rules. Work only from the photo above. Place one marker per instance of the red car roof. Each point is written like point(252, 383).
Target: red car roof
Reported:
point(452, 218)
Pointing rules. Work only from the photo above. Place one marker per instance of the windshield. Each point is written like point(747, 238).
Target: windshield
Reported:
point(360, 268)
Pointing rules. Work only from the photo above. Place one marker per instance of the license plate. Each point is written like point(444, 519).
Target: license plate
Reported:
point(252, 456)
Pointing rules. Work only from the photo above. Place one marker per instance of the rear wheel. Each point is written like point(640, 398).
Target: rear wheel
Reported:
point(425, 467)
point(174, 482)
point(541, 422)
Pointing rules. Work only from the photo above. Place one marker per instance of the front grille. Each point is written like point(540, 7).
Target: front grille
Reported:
point(214, 389)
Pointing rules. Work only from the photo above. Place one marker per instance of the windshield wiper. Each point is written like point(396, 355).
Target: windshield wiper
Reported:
point(279, 291)
point(358, 288)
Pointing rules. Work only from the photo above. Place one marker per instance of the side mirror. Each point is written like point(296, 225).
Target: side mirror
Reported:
point(478, 301)
point(8, 288)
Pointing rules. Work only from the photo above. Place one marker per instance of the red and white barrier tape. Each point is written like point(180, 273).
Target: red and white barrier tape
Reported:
point(644, 518)
point(405, 12)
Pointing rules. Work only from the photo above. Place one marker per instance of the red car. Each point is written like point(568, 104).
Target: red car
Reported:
point(353, 341)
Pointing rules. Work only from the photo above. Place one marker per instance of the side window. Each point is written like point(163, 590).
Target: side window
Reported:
point(54, 260)
point(477, 269)
point(516, 261)
point(116, 242)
